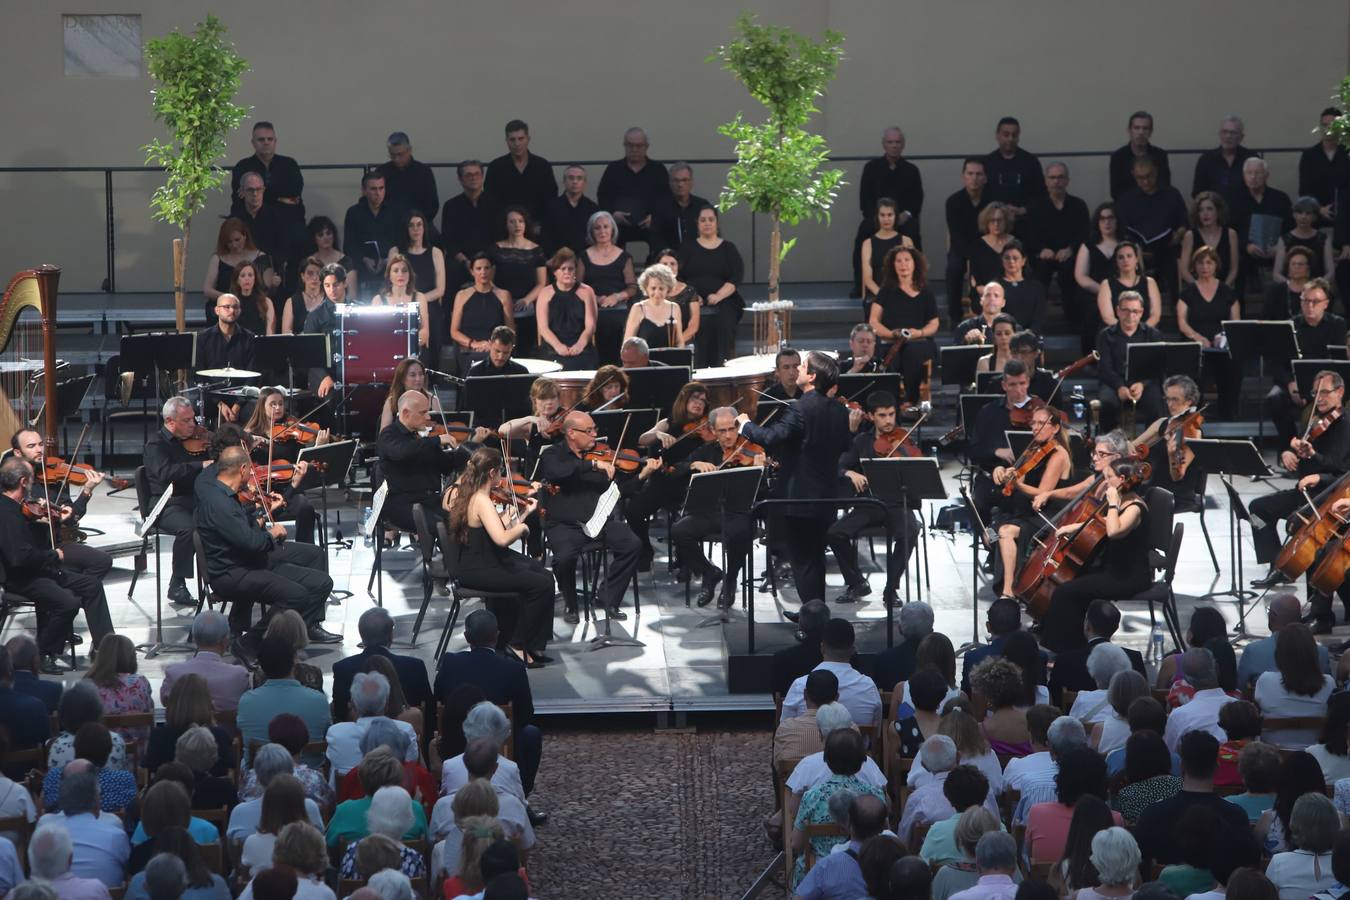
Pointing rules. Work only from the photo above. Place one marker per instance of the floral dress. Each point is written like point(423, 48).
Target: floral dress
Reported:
point(131, 694)
point(312, 782)
point(63, 751)
point(815, 810)
point(413, 865)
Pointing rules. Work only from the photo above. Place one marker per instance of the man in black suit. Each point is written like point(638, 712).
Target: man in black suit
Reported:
point(1071, 672)
point(791, 663)
point(26, 722)
point(23, 652)
point(807, 441)
point(168, 463)
point(377, 633)
point(502, 680)
point(412, 465)
point(897, 664)
point(1004, 617)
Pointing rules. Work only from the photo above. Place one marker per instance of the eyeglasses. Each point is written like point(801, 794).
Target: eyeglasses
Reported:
point(227, 306)
point(1104, 454)
point(590, 430)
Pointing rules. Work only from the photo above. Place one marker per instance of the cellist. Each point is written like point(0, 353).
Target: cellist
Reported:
point(1318, 455)
point(1017, 515)
point(1182, 396)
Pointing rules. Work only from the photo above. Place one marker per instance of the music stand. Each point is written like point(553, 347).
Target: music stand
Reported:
point(496, 398)
point(714, 495)
point(1274, 340)
point(1018, 441)
point(958, 363)
point(336, 461)
point(275, 352)
point(610, 424)
point(655, 387)
point(907, 480)
point(1227, 458)
point(672, 356)
point(148, 530)
point(1156, 360)
point(149, 354)
point(1305, 370)
point(768, 406)
point(857, 386)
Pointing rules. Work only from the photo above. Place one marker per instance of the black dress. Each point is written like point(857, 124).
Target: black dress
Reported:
point(1120, 570)
point(224, 278)
point(685, 300)
point(880, 247)
point(608, 279)
point(1207, 317)
point(1314, 245)
point(1088, 318)
point(657, 335)
point(482, 312)
point(707, 270)
point(517, 268)
point(249, 316)
point(567, 321)
point(1140, 287)
point(423, 267)
point(526, 623)
point(1222, 251)
point(913, 311)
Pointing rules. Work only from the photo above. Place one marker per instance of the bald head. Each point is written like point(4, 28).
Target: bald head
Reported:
point(76, 766)
point(1284, 610)
point(412, 410)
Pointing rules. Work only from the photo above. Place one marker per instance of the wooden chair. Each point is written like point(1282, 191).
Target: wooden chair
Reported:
point(782, 771)
point(1066, 700)
point(122, 721)
point(1293, 723)
point(228, 719)
point(34, 757)
point(918, 835)
point(509, 748)
point(1019, 833)
point(1011, 797)
point(1160, 694)
point(22, 829)
point(214, 857)
point(820, 830)
point(117, 893)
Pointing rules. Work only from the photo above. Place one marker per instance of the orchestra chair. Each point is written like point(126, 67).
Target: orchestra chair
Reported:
point(594, 564)
point(1164, 550)
point(1196, 504)
point(375, 584)
point(458, 592)
point(206, 595)
point(11, 602)
point(432, 570)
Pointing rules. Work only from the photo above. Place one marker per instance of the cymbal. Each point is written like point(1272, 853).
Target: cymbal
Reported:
point(228, 372)
point(23, 365)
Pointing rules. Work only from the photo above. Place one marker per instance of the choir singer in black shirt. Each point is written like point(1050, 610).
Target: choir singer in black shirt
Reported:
point(1144, 395)
point(1316, 330)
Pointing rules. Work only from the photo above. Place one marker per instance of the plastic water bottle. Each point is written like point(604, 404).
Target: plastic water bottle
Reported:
point(1156, 642)
point(366, 513)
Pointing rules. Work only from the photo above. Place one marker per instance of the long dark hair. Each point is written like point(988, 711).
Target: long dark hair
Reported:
point(476, 474)
point(1090, 815)
point(679, 410)
point(1296, 658)
point(891, 280)
point(1300, 774)
point(1021, 648)
point(259, 296)
point(175, 840)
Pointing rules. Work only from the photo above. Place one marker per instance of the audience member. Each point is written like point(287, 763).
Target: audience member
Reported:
point(25, 716)
point(481, 759)
point(966, 787)
point(996, 860)
point(289, 732)
point(1220, 169)
point(1002, 684)
point(226, 682)
point(955, 877)
point(189, 705)
point(1104, 662)
point(117, 787)
point(386, 732)
point(1039, 763)
point(101, 848)
point(1081, 773)
point(270, 763)
point(376, 628)
point(369, 702)
point(1139, 146)
point(281, 693)
point(1298, 687)
point(1241, 724)
point(283, 802)
point(972, 746)
point(408, 183)
point(856, 691)
point(928, 691)
point(1259, 766)
point(793, 662)
point(1199, 756)
point(1340, 868)
point(1064, 736)
point(50, 852)
point(1075, 870)
point(79, 705)
point(1111, 733)
point(282, 884)
point(1202, 712)
point(799, 736)
point(1003, 618)
point(380, 768)
point(844, 754)
point(391, 816)
point(1299, 774)
point(300, 847)
point(164, 878)
point(840, 874)
point(24, 656)
point(1148, 776)
point(197, 880)
point(197, 750)
point(1331, 751)
point(1308, 868)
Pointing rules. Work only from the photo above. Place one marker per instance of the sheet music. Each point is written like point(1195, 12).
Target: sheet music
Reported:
point(148, 522)
point(376, 504)
point(603, 507)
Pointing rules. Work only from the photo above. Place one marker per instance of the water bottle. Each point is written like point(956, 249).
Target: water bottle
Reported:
point(1156, 642)
point(366, 513)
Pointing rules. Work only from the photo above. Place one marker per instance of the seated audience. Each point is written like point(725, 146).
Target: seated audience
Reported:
point(167, 803)
point(964, 788)
point(300, 848)
point(79, 704)
point(101, 848)
point(480, 833)
point(290, 732)
point(270, 763)
point(1340, 868)
point(1193, 837)
point(287, 625)
point(844, 755)
point(799, 736)
point(1202, 712)
point(971, 745)
point(1258, 656)
point(481, 762)
point(50, 852)
point(486, 720)
point(1145, 714)
point(840, 874)
point(955, 877)
point(227, 682)
point(791, 663)
point(120, 689)
point(1081, 773)
point(1003, 685)
point(927, 690)
point(417, 781)
point(1110, 734)
point(996, 861)
point(1259, 766)
point(391, 816)
point(198, 882)
point(856, 691)
point(1003, 618)
point(1299, 774)
point(1297, 689)
point(1307, 869)
point(477, 798)
point(189, 706)
point(1037, 763)
point(369, 702)
point(879, 855)
point(378, 769)
point(1065, 735)
point(117, 787)
point(24, 656)
point(283, 802)
point(1148, 776)
point(813, 770)
point(1092, 707)
point(1199, 756)
point(1115, 858)
point(197, 750)
point(1075, 871)
point(281, 693)
point(1071, 670)
point(376, 628)
point(1241, 722)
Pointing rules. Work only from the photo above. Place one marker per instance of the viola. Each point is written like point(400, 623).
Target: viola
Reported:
point(742, 454)
point(57, 471)
point(519, 487)
point(198, 443)
point(35, 510)
point(1319, 426)
point(1179, 456)
point(457, 430)
point(700, 427)
point(623, 460)
point(1301, 550)
point(1020, 417)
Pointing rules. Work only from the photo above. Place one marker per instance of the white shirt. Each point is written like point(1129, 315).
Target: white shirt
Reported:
point(15, 801)
point(812, 771)
point(308, 889)
point(511, 812)
point(1299, 873)
point(454, 776)
point(1091, 702)
point(1208, 895)
point(1037, 788)
point(1115, 732)
point(101, 845)
point(1200, 714)
point(344, 743)
point(11, 873)
point(856, 691)
point(1021, 768)
point(1334, 767)
point(989, 887)
point(986, 762)
point(245, 818)
point(928, 804)
point(1276, 701)
point(257, 853)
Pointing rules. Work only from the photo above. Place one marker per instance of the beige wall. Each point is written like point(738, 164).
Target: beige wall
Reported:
point(451, 74)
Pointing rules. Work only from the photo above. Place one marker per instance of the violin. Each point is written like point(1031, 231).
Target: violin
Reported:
point(281, 470)
point(1059, 558)
point(518, 488)
point(457, 430)
point(700, 427)
point(742, 454)
point(1031, 457)
point(198, 443)
point(896, 439)
point(36, 510)
point(1300, 552)
point(57, 471)
point(294, 430)
point(1179, 456)
point(1020, 417)
point(1318, 426)
point(623, 460)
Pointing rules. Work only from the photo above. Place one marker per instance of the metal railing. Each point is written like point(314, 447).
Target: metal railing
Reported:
point(110, 238)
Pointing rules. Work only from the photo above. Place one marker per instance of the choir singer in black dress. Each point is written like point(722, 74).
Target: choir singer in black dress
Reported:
point(807, 440)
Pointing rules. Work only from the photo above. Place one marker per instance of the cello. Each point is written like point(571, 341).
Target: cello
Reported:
point(1300, 552)
point(1060, 558)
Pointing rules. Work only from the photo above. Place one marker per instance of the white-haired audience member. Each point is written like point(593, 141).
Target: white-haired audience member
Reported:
point(50, 853)
point(391, 815)
point(270, 761)
point(996, 861)
point(928, 803)
point(1103, 662)
point(370, 698)
point(1115, 856)
point(485, 720)
point(101, 846)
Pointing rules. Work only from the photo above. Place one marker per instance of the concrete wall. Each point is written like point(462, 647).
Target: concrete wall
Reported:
point(336, 77)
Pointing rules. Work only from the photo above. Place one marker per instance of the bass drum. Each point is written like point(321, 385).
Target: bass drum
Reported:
point(571, 385)
point(737, 386)
point(373, 340)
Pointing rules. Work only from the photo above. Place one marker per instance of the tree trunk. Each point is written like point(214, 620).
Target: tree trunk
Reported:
point(180, 246)
point(775, 249)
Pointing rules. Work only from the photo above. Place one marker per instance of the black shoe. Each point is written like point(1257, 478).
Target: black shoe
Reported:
point(791, 616)
point(320, 635)
point(1272, 579)
point(617, 614)
point(76, 640)
point(889, 598)
point(179, 595)
point(540, 657)
point(728, 598)
point(570, 617)
point(536, 818)
point(712, 580)
point(1322, 626)
point(241, 653)
point(645, 560)
point(53, 665)
point(854, 594)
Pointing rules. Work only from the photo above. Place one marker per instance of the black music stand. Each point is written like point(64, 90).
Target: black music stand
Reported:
point(907, 480)
point(1305, 370)
point(857, 386)
point(1227, 458)
point(496, 398)
point(1158, 360)
point(769, 407)
point(336, 459)
point(158, 351)
point(958, 363)
point(610, 424)
point(672, 356)
point(1262, 340)
point(655, 387)
point(714, 494)
point(288, 352)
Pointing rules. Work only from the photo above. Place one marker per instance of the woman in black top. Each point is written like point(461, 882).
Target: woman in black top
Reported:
point(323, 236)
point(521, 268)
point(308, 297)
point(418, 248)
point(685, 296)
point(1024, 298)
point(608, 270)
point(907, 310)
point(565, 315)
point(655, 318)
point(986, 254)
point(1093, 265)
point(714, 267)
point(255, 307)
point(1209, 228)
point(478, 309)
point(1129, 276)
point(875, 248)
point(1305, 234)
point(1203, 307)
point(323, 319)
point(234, 245)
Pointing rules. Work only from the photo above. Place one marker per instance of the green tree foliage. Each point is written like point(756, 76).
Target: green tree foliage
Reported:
point(780, 165)
point(1340, 126)
point(197, 78)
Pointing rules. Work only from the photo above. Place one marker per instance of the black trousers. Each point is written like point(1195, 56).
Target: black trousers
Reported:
point(1270, 509)
point(299, 510)
point(1147, 409)
point(176, 519)
point(910, 362)
point(57, 597)
point(567, 540)
point(842, 538)
point(529, 622)
point(661, 491)
point(87, 560)
point(737, 531)
point(957, 287)
point(716, 339)
point(1063, 625)
point(805, 540)
point(293, 577)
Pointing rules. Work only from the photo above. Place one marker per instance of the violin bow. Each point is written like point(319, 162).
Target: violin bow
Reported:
point(510, 483)
point(912, 429)
point(73, 456)
point(47, 498)
point(612, 400)
point(614, 451)
point(263, 499)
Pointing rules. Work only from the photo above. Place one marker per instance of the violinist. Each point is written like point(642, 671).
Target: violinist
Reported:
point(28, 446)
point(1041, 469)
point(412, 465)
point(862, 352)
point(225, 344)
point(842, 536)
point(906, 311)
point(988, 448)
point(807, 440)
point(736, 528)
point(1129, 329)
point(607, 389)
point(248, 562)
point(1001, 335)
point(498, 360)
point(267, 420)
point(785, 366)
point(635, 354)
point(979, 328)
point(1163, 443)
point(168, 462)
point(686, 430)
point(580, 483)
point(409, 375)
point(1120, 568)
point(36, 570)
point(1318, 457)
point(486, 559)
point(1317, 330)
point(543, 427)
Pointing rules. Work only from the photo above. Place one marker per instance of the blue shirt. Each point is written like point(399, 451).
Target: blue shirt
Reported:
point(202, 831)
point(117, 788)
point(259, 706)
point(836, 875)
point(217, 891)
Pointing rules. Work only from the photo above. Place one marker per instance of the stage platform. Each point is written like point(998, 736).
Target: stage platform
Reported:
point(682, 667)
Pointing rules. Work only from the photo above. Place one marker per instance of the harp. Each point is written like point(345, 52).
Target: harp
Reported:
point(22, 340)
